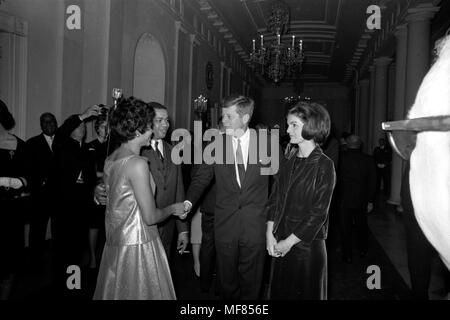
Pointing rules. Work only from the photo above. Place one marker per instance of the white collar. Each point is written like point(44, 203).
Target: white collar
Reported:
point(154, 143)
point(245, 138)
point(48, 137)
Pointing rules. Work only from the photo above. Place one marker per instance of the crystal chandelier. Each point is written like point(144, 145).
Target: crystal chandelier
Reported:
point(277, 60)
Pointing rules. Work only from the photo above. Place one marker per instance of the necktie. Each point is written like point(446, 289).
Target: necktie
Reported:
point(160, 156)
point(240, 162)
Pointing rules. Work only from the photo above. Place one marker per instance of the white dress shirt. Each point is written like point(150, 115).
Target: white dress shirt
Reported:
point(245, 142)
point(160, 146)
point(49, 140)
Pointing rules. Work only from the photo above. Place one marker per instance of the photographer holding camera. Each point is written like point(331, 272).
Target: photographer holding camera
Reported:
point(74, 178)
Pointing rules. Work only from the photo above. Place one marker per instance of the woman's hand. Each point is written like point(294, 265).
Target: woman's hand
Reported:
point(11, 183)
point(285, 245)
point(282, 248)
point(271, 242)
point(100, 194)
point(179, 210)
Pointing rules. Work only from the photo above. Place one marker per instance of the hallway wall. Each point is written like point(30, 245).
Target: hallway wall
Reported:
point(335, 96)
point(69, 70)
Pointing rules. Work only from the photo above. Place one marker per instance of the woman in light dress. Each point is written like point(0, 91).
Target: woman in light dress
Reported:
point(134, 264)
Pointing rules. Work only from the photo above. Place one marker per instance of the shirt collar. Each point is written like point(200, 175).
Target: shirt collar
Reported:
point(154, 143)
point(48, 137)
point(244, 138)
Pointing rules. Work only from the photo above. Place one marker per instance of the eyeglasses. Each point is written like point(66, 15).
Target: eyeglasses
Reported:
point(402, 134)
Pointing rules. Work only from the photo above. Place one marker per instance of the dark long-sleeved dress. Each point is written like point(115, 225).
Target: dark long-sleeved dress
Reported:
point(12, 165)
point(74, 179)
point(299, 205)
point(97, 152)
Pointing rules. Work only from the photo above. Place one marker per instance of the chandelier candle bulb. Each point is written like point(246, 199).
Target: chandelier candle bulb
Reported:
point(293, 41)
point(253, 45)
point(278, 38)
point(301, 45)
point(262, 39)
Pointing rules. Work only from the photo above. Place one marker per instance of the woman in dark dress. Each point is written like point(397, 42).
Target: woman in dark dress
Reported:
point(13, 183)
point(297, 223)
point(98, 149)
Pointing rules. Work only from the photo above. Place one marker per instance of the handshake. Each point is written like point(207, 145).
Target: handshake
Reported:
point(181, 209)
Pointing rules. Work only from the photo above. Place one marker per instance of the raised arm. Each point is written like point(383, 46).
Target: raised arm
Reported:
point(138, 172)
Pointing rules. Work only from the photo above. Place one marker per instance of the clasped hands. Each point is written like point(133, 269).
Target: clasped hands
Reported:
point(8, 182)
point(180, 209)
point(278, 248)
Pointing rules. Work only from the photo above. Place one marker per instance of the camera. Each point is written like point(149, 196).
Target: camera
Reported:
point(103, 110)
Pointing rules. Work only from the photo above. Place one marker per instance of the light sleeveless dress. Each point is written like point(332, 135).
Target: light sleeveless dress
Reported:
point(134, 265)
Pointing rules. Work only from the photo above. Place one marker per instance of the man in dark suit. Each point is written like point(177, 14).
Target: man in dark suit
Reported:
point(383, 156)
point(168, 178)
point(241, 195)
point(420, 251)
point(74, 178)
point(40, 156)
point(356, 180)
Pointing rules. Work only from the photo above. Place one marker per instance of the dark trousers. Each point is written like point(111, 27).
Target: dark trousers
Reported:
point(347, 216)
point(207, 251)
point(384, 174)
point(11, 237)
point(420, 254)
point(240, 269)
point(70, 237)
point(166, 233)
point(42, 207)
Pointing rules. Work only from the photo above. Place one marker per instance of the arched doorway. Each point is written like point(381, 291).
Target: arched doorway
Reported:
point(149, 70)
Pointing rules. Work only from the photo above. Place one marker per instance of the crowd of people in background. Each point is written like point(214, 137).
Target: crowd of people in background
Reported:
point(117, 203)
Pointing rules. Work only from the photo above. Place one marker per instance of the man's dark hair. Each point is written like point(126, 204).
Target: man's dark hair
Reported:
point(131, 115)
point(46, 115)
point(6, 118)
point(315, 118)
point(156, 105)
point(244, 105)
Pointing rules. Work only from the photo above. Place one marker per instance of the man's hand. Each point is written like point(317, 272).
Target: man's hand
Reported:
point(369, 207)
point(92, 111)
point(182, 242)
point(187, 206)
point(100, 194)
point(178, 210)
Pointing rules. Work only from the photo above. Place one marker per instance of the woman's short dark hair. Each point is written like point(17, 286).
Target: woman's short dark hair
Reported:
point(315, 118)
point(6, 118)
point(131, 115)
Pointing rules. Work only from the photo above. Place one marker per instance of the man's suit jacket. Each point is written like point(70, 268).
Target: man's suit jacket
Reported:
point(41, 162)
point(239, 212)
point(169, 186)
point(356, 179)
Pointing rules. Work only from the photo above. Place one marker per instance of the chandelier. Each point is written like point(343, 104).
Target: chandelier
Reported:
point(277, 60)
